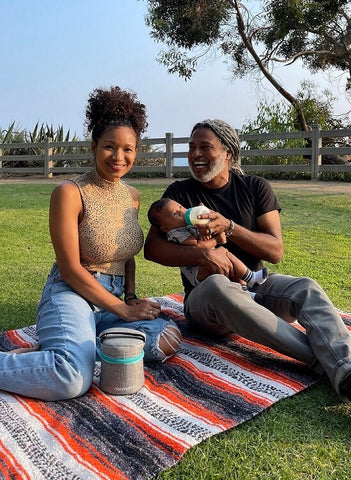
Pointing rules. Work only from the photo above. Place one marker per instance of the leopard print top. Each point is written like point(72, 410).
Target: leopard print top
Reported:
point(109, 233)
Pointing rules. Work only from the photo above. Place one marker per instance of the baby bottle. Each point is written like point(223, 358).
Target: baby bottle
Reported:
point(190, 216)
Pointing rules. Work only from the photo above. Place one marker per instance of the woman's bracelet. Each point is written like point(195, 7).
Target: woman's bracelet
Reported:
point(130, 296)
point(230, 229)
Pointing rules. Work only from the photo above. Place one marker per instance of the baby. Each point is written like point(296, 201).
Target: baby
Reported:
point(168, 216)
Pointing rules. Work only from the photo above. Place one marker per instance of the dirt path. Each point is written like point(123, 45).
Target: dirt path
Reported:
point(304, 185)
point(313, 186)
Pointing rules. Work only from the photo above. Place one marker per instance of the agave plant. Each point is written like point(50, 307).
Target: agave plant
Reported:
point(12, 134)
point(39, 133)
point(6, 135)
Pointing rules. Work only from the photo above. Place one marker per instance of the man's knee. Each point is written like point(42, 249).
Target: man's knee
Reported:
point(217, 288)
point(309, 288)
point(215, 284)
point(212, 303)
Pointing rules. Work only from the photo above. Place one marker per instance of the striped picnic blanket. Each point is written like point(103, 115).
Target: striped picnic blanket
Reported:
point(208, 387)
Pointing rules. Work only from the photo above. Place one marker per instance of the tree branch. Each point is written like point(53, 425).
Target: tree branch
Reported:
point(295, 57)
point(290, 98)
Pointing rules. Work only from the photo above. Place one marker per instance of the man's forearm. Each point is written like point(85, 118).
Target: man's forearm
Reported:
point(170, 254)
point(159, 250)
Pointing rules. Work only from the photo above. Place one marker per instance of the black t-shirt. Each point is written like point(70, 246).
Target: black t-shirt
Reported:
point(242, 199)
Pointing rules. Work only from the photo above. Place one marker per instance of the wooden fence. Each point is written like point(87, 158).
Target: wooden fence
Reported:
point(158, 155)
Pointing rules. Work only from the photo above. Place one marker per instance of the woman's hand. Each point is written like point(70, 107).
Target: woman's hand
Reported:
point(138, 309)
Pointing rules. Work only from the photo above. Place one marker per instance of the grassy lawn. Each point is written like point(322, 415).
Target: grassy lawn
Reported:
point(303, 437)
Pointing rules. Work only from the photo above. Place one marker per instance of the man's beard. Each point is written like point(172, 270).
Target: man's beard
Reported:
point(215, 168)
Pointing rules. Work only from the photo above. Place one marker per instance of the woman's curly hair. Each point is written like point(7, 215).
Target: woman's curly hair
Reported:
point(114, 107)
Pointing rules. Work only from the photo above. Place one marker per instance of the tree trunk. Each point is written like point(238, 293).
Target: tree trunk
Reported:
point(290, 98)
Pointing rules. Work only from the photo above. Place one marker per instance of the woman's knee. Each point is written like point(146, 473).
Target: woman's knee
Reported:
point(65, 390)
point(169, 340)
point(67, 381)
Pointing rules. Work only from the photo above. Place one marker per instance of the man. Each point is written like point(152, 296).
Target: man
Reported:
point(246, 209)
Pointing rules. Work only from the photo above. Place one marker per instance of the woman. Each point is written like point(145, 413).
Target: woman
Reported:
point(95, 234)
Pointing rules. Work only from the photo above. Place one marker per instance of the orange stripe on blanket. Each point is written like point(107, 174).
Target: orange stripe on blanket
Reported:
point(17, 340)
point(263, 348)
point(173, 314)
point(14, 468)
point(151, 432)
point(83, 452)
point(245, 364)
point(176, 296)
point(219, 383)
point(170, 395)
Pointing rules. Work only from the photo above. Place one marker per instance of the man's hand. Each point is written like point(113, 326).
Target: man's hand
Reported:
point(217, 261)
point(218, 224)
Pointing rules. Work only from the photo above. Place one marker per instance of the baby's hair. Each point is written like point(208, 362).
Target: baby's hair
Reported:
point(114, 108)
point(154, 211)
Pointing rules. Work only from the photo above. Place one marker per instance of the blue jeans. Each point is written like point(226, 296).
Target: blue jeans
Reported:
point(220, 306)
point(67, 327)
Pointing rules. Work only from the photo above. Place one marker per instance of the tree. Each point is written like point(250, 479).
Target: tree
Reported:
point(317, 32)
point(277, 117)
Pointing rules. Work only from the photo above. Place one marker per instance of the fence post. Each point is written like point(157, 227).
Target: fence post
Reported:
point(316, 158)
point(169, 155)
point(47, 157)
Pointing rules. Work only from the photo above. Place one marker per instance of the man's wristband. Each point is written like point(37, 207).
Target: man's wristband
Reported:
point(130, 296)
point(230, 229)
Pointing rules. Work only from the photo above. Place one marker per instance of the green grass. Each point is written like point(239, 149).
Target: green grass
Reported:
point(304, 437)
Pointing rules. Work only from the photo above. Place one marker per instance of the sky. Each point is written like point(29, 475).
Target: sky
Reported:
point(54, 53)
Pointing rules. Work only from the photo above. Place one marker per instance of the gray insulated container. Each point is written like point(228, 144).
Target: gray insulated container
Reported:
point(122, 364)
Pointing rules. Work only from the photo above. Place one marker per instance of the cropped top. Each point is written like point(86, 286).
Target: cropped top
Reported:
point(109, 233)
